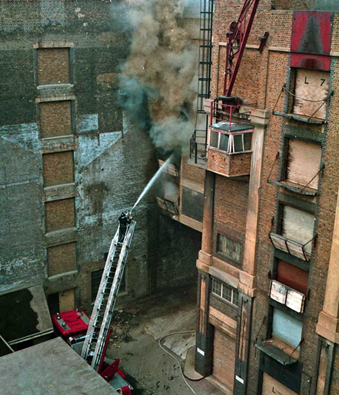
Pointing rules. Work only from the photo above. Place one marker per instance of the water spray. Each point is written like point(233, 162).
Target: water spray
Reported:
point(151, 182)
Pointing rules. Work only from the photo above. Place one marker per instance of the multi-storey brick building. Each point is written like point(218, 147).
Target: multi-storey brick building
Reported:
point(268, 287)
point(70, 164)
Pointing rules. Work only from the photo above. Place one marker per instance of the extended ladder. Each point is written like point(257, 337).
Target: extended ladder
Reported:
point(106, 298)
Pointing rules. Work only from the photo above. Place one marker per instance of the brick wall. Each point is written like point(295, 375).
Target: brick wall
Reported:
point(231, 204)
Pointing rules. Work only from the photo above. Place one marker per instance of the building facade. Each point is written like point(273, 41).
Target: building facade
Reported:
point(71, 162)
point(268, 286)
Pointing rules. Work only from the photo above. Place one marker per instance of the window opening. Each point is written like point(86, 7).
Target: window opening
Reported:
point(228, 247)
point(286, 328)
point(225, 292)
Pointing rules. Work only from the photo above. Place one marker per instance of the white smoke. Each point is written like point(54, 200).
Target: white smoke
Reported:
point(162, 66)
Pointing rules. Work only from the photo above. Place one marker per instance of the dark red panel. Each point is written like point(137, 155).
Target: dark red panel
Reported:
point(312, 32)
point(311, 62)
point(292, 276)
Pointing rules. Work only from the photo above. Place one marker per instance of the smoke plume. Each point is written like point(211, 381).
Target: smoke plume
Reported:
point(161, 71)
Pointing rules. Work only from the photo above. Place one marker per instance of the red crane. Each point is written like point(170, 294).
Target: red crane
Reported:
point(237, 37)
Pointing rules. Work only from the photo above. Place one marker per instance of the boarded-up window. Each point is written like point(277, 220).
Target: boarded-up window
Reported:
point(53, 66)
point(292, 276)
point(58, 168)
point(311, 85)
point(286, 328)
point(61, 258)
point(303, 163)
point(228, 247)
point(223, 358)
point(298, 226)
point(55, 118)
point(59, 214)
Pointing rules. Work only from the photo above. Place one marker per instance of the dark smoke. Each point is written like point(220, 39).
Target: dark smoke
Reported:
point(159, 77)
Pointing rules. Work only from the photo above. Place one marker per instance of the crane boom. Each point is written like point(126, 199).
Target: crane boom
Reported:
point(237, 37)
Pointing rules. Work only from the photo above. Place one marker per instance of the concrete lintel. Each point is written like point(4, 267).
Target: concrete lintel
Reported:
point(328, 327)
point(195, 186)
point(224, 277)
point(57, 192)
point(247, 279)
point(225, 267)
point(192, 223)
point(205, 258)
point(53, 44)
point(260, 117)
point(61, 282)
point(61, 236)
point(201, 266)
point(57, 144)
point(46, 97)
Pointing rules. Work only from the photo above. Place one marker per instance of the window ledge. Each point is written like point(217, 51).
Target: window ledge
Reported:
point(210, 147)
point(272, 349)
point(300, 118)
point(293, 187)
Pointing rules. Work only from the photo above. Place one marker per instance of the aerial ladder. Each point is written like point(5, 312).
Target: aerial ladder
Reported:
point(92, 333)
point(98, 328)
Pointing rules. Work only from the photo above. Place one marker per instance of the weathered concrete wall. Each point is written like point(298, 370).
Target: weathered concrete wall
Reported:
point(69, 163)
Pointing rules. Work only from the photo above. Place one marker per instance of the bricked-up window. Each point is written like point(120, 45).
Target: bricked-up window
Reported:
point(303, 163)
point(225, 292)
point(58, 168)
point(229, 248)
point(59, 214)
point(53, 66)
point(56, 118)
point(286, 328)
point(61, 258)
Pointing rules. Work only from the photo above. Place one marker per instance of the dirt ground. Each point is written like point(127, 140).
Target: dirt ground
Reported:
point(135, 339)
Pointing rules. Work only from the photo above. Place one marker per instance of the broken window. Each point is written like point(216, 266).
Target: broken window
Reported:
point(303, 163)
point(286, 328)
point(297, 233)
point(229, 248)
point(298, 226)
point(225, 292)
